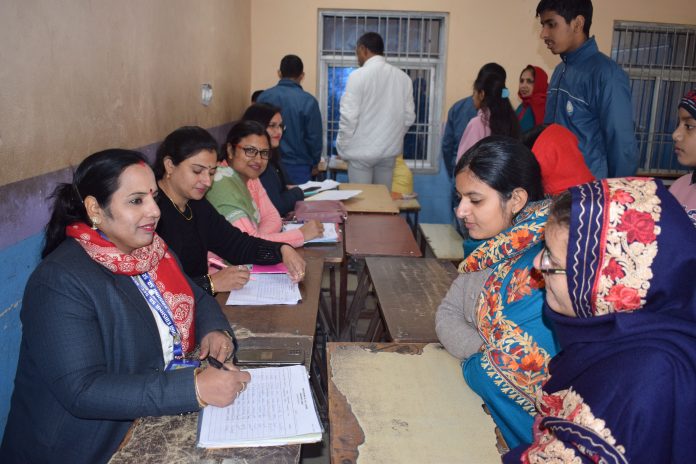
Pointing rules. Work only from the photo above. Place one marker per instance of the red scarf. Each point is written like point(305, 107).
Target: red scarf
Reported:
point(153, 259)
point(537, 100)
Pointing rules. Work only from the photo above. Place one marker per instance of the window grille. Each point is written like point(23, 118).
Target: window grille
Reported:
point(660, 60)
point(414, 42)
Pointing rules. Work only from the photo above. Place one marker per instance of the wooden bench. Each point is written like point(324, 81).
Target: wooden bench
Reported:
point(442, 240)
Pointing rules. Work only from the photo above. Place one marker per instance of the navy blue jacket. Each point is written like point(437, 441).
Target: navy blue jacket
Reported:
point(302, 139)
point(274, 181)
point(590, 95)
point(457, 118)
point(90, 362)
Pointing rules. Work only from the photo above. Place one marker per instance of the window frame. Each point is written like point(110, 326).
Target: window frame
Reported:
point(430, 163)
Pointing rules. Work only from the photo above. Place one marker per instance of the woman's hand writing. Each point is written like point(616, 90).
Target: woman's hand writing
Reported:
point(230, 278)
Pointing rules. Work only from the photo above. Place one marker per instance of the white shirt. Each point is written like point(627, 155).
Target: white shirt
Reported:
point(376, 111)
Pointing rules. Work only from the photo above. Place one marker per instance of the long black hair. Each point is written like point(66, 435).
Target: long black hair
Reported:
point(504, 164)
point(97, 176)
point(183, 143)
point(502, 119)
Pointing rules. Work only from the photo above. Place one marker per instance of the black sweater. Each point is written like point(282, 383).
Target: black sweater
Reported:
point(209, 231)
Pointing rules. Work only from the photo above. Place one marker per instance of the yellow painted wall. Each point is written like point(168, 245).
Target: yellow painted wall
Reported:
point(505, 31)
point(83, 75)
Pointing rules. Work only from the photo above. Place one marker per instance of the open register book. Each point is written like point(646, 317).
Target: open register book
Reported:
point(277, 408)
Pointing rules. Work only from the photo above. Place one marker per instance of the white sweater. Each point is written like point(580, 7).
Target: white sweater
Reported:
point(376, 111)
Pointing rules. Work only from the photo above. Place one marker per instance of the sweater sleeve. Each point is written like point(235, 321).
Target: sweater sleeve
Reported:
point(293, 238)
point(231, 243)
point(455, 320)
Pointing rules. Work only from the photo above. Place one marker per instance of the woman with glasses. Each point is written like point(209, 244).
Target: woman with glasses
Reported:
point(274, 179)
point(619, 262)
point(491, 318)
point(185, 166)
point(238, 195)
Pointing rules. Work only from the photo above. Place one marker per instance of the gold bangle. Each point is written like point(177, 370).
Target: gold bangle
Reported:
point(201, 403)
point(212, 287)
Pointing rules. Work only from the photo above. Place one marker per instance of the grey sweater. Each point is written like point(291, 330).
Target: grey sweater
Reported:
point(455, 320)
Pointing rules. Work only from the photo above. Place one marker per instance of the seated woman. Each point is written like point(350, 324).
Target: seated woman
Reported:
point(618, 264)
point(185, 166)
point(99, 348)
point(491, 318)
point(238, 195)
point(533, 86)
point(562, 164)
point(274, 179)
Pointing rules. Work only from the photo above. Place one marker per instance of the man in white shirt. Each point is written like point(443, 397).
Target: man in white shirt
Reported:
point(376, 111)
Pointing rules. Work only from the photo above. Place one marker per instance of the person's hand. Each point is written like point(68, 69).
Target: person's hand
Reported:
point(294, 263)
point(218, 345)
point(312, 229)
point(315, 170)
point(221, 387)
point(230, 278)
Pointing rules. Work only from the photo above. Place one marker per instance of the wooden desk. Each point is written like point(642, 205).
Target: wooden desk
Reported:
point(172, 439)
point(374, 198)
point(379, 235)
point(335, 166)
point(405, 403)
point(373, 235)
point(409, 292)
point(411, 208)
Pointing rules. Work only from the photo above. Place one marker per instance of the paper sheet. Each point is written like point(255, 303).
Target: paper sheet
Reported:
point(335, 195)
point(330, 233)
point(277, 408)
point(266, 289)
point(327, 184)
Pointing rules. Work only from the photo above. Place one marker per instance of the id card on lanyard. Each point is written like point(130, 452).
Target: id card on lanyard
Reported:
point(154, 298)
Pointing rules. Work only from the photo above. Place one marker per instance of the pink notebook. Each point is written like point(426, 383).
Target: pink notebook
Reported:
point(269, 269)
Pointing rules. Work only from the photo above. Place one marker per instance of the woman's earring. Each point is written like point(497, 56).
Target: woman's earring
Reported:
point(95, 222)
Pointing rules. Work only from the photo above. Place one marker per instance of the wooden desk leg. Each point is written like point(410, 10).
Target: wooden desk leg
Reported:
point(348, 332)
point(342, 295)
point(415, 226)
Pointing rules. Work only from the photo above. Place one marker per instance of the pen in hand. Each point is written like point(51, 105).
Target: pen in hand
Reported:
point(216, 364)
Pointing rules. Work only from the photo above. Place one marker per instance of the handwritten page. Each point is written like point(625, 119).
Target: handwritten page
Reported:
point(334, 195)
point(266, 289)
point(330, 232)
point(277, 408)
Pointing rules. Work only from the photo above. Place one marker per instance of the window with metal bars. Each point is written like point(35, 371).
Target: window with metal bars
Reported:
point(413, 41)
point(660, 60)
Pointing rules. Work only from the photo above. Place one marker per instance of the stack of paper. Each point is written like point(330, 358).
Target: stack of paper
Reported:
point(277, 408)
point(312, 187)
point(335, 195)
point(266, 289)
point(330, 232)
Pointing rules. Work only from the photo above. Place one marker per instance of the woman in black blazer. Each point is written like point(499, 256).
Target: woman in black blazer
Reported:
point(109, 323)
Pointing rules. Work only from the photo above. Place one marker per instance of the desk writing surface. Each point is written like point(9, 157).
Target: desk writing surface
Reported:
point(279, 320)
point(172, 439)
point(379, 235)
point(409, 292)
point(405, 403)
point(373, 198)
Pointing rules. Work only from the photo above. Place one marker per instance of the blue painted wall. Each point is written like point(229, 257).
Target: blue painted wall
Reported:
point(16, 264)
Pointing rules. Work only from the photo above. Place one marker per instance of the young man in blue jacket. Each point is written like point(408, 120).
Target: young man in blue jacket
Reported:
point(302, 140)
point(588, 93)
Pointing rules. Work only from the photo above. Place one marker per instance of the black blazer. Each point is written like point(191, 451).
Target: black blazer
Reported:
point(90, 362)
